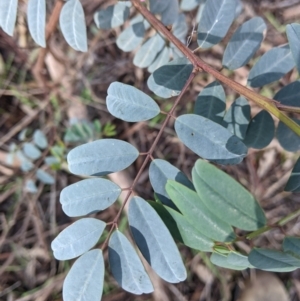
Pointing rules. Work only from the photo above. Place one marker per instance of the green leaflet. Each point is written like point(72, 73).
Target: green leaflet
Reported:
point(260, 131)
point(160, 171)
point(291, 245)
point(155, 241)
point(85, 279)
point(244, 43)
point(40, 139)
point(293, 183)
point(289, 95)
point(237, 117)
point(168, 80)
point(226, 198)
point(101, 157)
point(130, 104)
point(145, 56)
point(31, 151)
point(72, 24)
point(293, 34)
point(126, 265)
point(209, 140)
point(271, 66)
point(113, 16)
point(195, 211)
point(288, 139)
point(182, 230)
point(88, 196)
point(272, 260)
point(36, 18)
point(8, 15)
point(211, 102)
point(236, 261)
point(215, 21)
point(77, 238)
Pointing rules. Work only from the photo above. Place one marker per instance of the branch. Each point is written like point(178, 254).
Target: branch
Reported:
point(264, 102)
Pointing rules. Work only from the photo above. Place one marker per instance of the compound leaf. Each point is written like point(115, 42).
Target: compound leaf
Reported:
point(182, 230)
point(222, 261)
point(161, 59)
point(101, 157)
point(244, 43)
point(44, 177)
point(293, 183)
point(287, 138)
point(8, 15)
point(40, 139)
point(130, 104)
point(260, 131)
point(126, 266)
point(293, 34)
point(155, 241)
point(211, 102)
point(160, 171)
point(291, 245)
point(237, 118)
point(289, 95)
point(89, 195)
point(147, 53)
point(85, 278)
point(168, 80)
point(272, 260)
point(113, 16)
point(209, 140)
point(77, 238)
point(271, 66)
point(226, 198)
point(72, 24)
point(36, 18)
point(196, 212)
point(133, 35)
point(215, 21)
point(31, 151)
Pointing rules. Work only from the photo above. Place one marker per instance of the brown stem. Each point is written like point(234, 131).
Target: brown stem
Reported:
point(149, 154)
point(262, 101)
point(37, 70)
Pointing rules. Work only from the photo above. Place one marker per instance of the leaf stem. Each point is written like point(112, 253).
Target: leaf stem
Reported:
point(288, 218)
point(149, 156)
point(258, 232)
point(264, 102)
point(280, 223)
